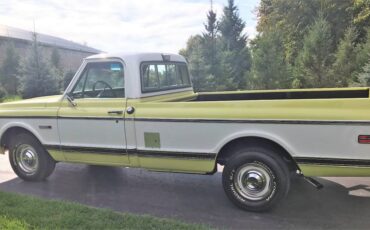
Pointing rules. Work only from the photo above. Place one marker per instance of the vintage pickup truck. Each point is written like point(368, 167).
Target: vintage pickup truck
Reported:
point(139, 110)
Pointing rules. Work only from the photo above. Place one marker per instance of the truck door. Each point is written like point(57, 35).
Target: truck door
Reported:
point(91, 118)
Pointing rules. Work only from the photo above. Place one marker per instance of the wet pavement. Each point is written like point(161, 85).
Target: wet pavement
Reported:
point(344, 203)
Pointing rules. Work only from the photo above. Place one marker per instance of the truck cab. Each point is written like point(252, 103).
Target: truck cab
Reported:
point(104, 97)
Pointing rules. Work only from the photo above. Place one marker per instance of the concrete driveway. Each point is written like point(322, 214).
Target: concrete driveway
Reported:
point(344, 203)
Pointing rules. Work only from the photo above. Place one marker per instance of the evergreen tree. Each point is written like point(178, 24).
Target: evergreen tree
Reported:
point(68, 78)
point(3, 93)
point(55, 57)
point(345, 65)
point(269, 66)
point(364, 77)
point(315, 59)
point(194, 56)
point(363, 52)
point(231, 27)
point(36, 74)
point(301, 43)
point(361, 60)
point(9, 70)
point(203, 55)
point(210, 46)
point(295, 17)
point(236, 57)
point(361, 18)
point(56, 70)
point(58, 75)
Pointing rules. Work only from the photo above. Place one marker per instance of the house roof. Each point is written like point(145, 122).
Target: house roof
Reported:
point(43, 39)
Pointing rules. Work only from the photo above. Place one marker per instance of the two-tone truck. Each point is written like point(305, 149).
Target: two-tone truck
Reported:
point(139, 110)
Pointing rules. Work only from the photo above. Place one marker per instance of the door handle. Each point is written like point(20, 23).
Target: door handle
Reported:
point(117, 112)
point(130, 110)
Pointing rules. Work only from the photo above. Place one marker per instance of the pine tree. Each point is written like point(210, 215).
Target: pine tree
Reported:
point(56, 70)
point(9, 70)
point(36, 74)
point(315, 59)
point(194, 56)
point(362, 55)
point(68, 78)
point(345, 65)
point(231, 27)
point(364, 77)
point(55, 57)
point(236, 57)
point(269, 66)
point(210, 45)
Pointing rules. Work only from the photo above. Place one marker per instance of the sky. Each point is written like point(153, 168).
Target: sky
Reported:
point(121, 25)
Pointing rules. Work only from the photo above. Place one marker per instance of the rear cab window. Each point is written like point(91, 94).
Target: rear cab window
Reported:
point(161, 76)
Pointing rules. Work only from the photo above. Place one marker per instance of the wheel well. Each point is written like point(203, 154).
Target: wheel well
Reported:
point(12, 132)
point(227, 150)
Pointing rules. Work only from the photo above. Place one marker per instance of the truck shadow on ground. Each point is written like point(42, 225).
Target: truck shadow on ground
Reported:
point(199, 199)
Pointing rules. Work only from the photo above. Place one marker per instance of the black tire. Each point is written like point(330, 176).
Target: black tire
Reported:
point(255, 178)
point(28, 170)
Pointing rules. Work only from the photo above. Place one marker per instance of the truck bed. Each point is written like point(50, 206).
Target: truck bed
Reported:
point(287, 94)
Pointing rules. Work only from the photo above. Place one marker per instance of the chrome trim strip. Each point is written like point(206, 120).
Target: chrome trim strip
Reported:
point(190, 120)
point(92, 150)
point(255, 121)
point(92, 118)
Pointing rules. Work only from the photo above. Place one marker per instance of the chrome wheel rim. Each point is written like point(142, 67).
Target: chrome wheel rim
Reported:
point(26, 158)
point(254, 181)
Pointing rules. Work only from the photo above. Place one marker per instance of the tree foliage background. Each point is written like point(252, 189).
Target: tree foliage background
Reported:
point(220, 59)
point(300, 44)
point(37, 78)
point(32, 75)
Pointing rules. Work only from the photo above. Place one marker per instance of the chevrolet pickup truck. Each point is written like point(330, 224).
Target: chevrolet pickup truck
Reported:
point(139, 110)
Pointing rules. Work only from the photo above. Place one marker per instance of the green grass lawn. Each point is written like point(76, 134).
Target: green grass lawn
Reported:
point(23, 212)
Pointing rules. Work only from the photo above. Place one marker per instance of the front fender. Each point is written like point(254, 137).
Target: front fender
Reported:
point(17, 124)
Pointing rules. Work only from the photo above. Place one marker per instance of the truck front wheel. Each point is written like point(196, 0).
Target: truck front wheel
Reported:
point(29, 159)
point(255, 178)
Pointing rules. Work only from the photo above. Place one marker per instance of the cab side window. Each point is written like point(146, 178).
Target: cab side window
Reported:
point(164, 76)
point(101, 80)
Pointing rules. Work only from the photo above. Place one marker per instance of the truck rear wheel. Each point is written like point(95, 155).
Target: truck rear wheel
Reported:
point(255, 178)
point(29, 160)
